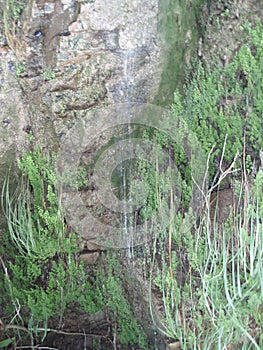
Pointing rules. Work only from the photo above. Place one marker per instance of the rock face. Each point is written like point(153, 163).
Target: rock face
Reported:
point(66, 57)
point(61, 58)
point(224, 28)
point(14, 120)
point(121, 38)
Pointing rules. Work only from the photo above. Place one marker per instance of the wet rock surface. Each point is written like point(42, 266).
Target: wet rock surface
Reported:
point(66, 57)
point(14, 120)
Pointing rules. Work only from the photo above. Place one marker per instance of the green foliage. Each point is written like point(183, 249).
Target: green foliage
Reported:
point(42, 276)
point(20, 69)
point(167, 175)
point(6, 342)
point(48, 74)
point(222, 101)
point(41, 259)
point(12, 11)
point(128, 329)
point(210, 277)
point(15, 8)
point(35, 220)
point(217, 301)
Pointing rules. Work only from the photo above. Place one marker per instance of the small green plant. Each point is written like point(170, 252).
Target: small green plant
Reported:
point(14, 8)
point(11, 17)
point(226, 14)
point(48, 74)
point(218, 22)
point(20, 69)
point(63, 108)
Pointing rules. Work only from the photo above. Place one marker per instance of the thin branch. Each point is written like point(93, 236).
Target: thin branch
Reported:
point(15, 301)
point(36, 347)
point(24, 329)
point(223, 153)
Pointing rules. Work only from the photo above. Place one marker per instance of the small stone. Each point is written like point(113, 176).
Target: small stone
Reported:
point(89, 258)
point(66, 32)
point(38, 34)
point(6, 121)
point(174, 346)
point(11, 66)
point(27, 129)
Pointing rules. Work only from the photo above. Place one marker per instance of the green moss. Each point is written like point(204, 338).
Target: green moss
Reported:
point(15, 8)
point(178, 29)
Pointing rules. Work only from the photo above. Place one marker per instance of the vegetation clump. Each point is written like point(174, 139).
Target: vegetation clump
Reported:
point(41, 276)
point(209, 273)
point(222, 101)
point(209, 276)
